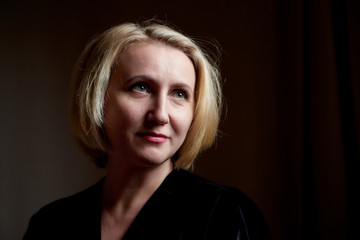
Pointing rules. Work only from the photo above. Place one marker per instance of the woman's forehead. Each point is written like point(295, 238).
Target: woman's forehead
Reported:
point(155, 60)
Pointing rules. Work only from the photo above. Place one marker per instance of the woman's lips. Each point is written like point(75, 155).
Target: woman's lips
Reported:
point(154, 137)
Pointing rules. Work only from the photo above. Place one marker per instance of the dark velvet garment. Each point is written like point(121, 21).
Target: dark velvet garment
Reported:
point(185, 206)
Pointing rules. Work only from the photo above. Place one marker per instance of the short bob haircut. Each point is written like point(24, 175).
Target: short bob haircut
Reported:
point(92, 75)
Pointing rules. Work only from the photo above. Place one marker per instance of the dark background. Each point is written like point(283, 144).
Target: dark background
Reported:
point(290, 135)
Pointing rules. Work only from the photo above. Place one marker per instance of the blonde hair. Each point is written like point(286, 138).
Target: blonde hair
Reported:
point(92, 76)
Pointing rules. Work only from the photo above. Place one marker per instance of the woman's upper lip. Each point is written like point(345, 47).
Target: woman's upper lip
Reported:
point(153, 134)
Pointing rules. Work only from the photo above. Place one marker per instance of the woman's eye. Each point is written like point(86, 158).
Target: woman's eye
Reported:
point(139, 87)
point(180, 95)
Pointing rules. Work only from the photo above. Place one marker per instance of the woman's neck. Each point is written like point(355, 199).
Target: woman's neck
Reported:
point(128, 188)
point(125, 192)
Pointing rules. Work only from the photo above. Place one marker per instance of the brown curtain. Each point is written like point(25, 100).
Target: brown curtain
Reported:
point(304, 170)
point(330, 160)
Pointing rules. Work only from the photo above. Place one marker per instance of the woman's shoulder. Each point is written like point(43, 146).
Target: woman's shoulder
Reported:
point(67, 215)
point(198, 186)
point(227, 210)
point(76, 202)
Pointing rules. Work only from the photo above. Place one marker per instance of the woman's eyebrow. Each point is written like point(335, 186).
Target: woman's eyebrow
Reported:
point(139, 77)
point(182, 85)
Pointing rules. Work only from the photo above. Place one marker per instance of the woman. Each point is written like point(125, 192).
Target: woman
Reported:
point(146, 101)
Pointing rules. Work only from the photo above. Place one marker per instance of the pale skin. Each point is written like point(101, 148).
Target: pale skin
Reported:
point(148, 111)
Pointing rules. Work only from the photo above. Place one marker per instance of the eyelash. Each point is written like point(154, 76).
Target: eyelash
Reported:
point(184, 95)
point(139, 84)
point(146, 88)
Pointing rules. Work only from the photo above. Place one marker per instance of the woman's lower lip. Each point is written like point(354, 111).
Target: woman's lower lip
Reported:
point(154, 139)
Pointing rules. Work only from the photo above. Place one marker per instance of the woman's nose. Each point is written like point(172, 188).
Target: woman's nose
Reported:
point(158, 112)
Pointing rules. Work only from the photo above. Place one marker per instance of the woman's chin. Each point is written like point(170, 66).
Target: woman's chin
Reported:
point(139, 159)
point(153, 161)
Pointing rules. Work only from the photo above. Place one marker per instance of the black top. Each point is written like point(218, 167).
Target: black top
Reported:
point(185, 206)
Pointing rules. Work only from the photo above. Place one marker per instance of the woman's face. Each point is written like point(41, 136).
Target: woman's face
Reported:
point(149, 104)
